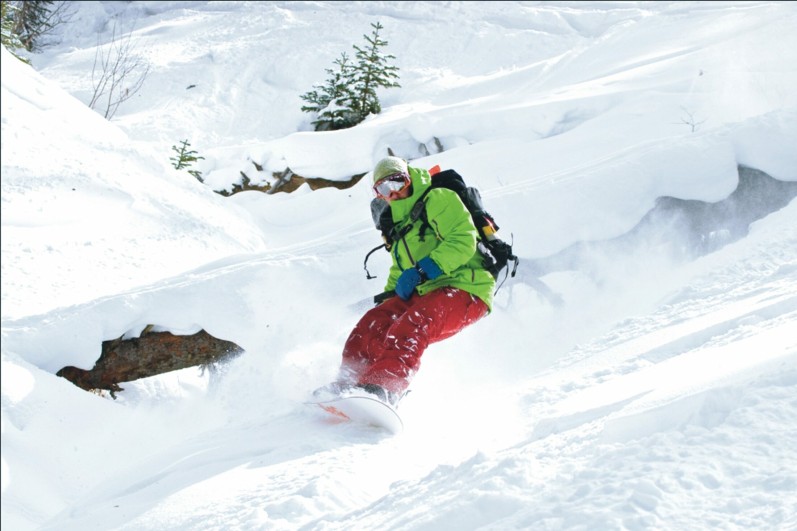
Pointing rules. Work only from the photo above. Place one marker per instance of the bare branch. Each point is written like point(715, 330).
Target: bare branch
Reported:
point(118, 72)
point(690, 120)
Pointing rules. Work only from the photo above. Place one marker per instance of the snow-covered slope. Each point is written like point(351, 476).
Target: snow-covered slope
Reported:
point(646, 388)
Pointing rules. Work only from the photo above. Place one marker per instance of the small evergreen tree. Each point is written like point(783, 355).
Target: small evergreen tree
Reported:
point(10, 39)
point(349, 95)
point(372, 72)
point(185, 158)
point(331, 102)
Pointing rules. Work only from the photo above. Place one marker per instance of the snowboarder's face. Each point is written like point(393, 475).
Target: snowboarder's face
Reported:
point(392, 187)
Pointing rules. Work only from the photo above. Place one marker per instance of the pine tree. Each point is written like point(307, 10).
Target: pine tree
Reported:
point(349, 95)
point(36, 19)
point(10, 39)
point(185, 158)
point(372, 72)
point(332, 104)
point(32, 20)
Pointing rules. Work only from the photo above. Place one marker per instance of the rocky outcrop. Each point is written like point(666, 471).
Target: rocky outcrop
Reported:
point(153, 353)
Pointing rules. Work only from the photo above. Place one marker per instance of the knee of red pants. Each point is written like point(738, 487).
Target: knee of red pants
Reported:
point(392, 363)
point(365, 344)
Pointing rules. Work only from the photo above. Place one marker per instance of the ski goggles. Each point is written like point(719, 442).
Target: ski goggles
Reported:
point(396, 182)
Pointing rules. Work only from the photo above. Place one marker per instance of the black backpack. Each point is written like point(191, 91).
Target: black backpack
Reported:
point(496, 253)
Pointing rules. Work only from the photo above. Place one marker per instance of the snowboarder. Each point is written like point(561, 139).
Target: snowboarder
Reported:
point(439, 280)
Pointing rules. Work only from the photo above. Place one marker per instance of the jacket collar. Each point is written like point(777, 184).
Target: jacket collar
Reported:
point(401, 208)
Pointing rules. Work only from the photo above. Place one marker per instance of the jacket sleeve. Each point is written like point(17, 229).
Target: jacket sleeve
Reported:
point(453, 226)
point(393, 276)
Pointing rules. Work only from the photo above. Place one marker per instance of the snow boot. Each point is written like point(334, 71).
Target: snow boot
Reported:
point(382, 394)
point(331, 390)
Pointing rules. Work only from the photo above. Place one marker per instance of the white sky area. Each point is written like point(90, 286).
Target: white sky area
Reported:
point(650, 387)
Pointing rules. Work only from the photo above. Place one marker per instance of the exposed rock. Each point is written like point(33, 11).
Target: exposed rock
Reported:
point(294, 181)
point(287, 182)
point(153, 353)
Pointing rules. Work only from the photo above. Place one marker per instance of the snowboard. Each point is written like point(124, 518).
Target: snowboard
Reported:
point(363, 410)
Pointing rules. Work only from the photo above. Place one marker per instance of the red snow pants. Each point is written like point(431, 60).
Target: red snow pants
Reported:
point(386, 345)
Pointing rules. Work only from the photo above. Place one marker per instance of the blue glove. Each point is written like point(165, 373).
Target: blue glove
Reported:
point(428, 268)
point(406, 283)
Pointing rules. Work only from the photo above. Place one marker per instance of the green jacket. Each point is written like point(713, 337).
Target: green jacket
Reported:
point(450, 241)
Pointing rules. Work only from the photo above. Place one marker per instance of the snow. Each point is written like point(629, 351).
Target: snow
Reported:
point(646, 387)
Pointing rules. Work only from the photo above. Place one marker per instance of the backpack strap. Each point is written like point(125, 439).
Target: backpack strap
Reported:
point(419, 212)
